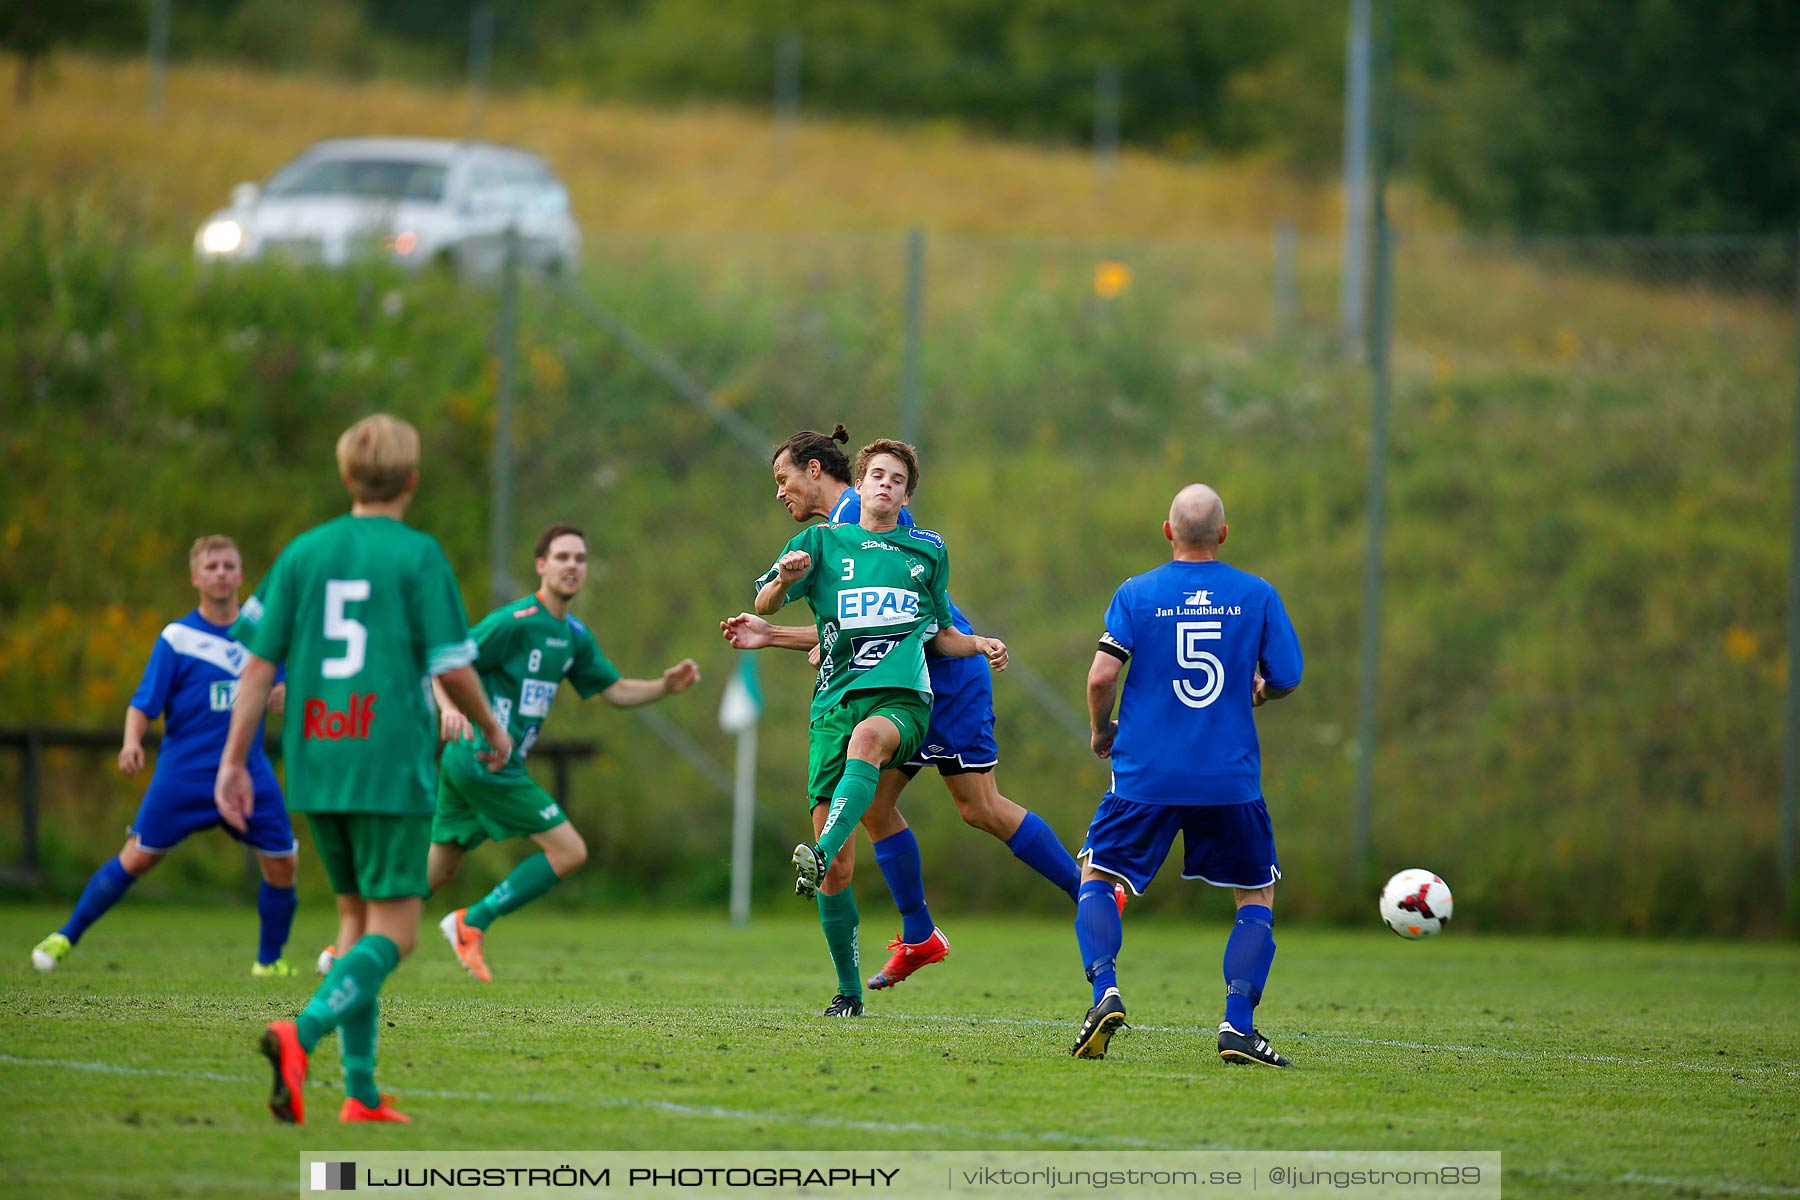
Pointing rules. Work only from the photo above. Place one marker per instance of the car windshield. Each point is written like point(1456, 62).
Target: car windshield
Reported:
point(373, 178)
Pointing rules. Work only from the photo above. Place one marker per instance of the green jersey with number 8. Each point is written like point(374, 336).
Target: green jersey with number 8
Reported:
point(877, 598)
point(363, 610)
point(524, 653)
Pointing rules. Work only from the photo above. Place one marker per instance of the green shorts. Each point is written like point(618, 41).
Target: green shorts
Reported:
point(829, 736)
point(473, 805)
point(378, 856)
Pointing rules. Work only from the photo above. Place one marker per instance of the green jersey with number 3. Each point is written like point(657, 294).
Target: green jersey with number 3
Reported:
point(524, 653)
point(362, 610)
point(877, 598)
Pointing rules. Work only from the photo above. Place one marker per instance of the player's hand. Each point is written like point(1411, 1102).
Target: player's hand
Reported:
point(747, 631)
point(995, 650)
point(681, 676)
point(814, 656)
point(277, 699)
point(499, 751)
point(234, 794)
point(453, 726)
point(793, 565)
point(131, 757)
point(1258, 692)
point(1102, 740)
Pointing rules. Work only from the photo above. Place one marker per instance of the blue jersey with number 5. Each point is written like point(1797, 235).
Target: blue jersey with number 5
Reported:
point(1195, 635)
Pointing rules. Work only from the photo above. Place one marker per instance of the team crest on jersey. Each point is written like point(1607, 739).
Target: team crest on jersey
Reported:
point(1198, 596)
point(221, 695)
point(865, 652)
point(926, 535)
point(252, 611)
point(865, 608)
point(918, 569)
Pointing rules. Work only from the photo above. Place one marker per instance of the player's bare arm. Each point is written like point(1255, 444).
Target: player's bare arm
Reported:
point(747, 631)
point(789, 569)
point(234, 792)
point(463, 686)
point(954, 643)
point(1102, 691)
point(131, 751)
point(629, 693)
point(453, 726)
point(278, 699)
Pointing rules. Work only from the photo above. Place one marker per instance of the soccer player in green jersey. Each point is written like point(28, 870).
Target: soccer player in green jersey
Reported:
point(877, 591)
point(525, 649)
point(362, 609)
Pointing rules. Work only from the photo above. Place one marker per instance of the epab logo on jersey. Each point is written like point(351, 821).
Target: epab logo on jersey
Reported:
point(535, 696)
point(866, 652)
point(872, 607)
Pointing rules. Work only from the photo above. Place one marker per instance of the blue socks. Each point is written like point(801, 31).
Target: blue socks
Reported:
point(102, 892)
point(1099, 932)
point(1249, 952)
point(1036, 845)
point(275, 905)
point(898, 857)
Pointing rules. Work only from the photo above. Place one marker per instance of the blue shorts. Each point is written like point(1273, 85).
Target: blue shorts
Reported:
point(1226, 845)
point(173, 810)
point(961, 737)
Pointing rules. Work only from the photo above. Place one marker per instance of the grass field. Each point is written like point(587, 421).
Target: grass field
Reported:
point(1599, 1068)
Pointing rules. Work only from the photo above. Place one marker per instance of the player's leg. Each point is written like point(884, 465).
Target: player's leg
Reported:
point(1233, 846)
point(442, 864)
point(562, 854)
point(1126, 843)
point(105, 888)
point(980, 804)
point(271, 835)
point(890, 727)
point(838, 919)
point(920, 942)
point(507, 805)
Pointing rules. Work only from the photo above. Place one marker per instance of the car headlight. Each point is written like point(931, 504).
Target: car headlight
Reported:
point(222, 237)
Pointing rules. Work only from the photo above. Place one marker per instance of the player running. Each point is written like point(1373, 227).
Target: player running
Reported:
point(362, 609)
point(877, 591)
point(525, 650)
point(191, 679)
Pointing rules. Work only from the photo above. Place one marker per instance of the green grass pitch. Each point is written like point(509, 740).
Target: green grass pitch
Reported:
point(1599, 1068)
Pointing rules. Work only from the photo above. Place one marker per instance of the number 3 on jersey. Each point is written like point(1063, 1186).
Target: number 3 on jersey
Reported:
point(340, 627)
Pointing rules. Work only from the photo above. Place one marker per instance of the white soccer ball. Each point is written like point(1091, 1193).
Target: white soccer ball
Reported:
point(1416, 904)
point(327, 960)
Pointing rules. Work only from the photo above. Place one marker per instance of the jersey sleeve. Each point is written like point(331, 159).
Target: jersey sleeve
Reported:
point(1117, 638)
point(153, 690)
point(591, 671)
point(940, 593)
point(443, 624)
point(807, 539)
point(493, 638)
point(265, 624)
point(1278, 657)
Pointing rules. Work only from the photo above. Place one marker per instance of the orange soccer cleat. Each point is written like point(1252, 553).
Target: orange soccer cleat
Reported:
point(465, 939)
point(281, 1046)
point(355, 1110)
point(909, 957)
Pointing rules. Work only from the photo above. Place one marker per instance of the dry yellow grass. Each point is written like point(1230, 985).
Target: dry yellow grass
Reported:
point(712, 168)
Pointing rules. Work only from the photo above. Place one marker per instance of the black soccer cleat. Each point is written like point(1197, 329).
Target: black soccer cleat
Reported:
point(1239, 1048)
point(1103, 1020)
point(844, 1006)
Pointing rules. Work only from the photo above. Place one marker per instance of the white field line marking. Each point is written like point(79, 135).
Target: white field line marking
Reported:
point(709, 1111)
point(728, 1114)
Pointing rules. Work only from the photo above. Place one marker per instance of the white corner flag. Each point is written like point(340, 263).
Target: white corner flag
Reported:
point(739, 710)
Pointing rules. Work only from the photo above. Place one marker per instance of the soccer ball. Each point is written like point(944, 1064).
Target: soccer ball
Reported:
point(327, 960)
point(1416, 904)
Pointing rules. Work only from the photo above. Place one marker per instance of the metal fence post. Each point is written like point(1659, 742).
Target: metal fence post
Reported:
point(1790, 756)
point(159, 54)
point(500, 584)
point(1286, 287)
point(789, 57)
point(481, 60)
point(915, 310)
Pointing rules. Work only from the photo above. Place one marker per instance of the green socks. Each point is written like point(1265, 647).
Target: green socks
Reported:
point(529, 880)
point(849, 801)
point(351, 987)
point(837, 915)
point(356, 1039)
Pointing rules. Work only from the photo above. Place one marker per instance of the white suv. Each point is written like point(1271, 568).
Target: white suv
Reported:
point(415, 200)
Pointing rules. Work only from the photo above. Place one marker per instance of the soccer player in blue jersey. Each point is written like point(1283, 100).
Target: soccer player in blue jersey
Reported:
point(1206, 643)
point(192, 680)
point(812, 478)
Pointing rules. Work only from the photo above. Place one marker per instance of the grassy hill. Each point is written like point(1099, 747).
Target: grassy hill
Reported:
point(1588, 498)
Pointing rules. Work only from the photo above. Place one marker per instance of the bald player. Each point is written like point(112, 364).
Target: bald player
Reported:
point(1206, 644)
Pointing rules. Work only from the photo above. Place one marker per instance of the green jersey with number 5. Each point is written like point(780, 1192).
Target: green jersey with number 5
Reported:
point(363, 610)
point(524, 653)
point(877, 598)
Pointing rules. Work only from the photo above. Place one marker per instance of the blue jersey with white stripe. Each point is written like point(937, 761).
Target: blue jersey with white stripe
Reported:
point(191, 681)
point(1195, 635)
point(947, 674)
